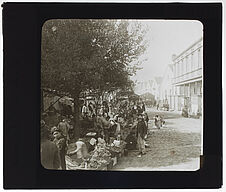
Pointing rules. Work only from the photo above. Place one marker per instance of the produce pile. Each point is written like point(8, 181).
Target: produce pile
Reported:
point(113, 148)
point(99, 156)
point(71, 164)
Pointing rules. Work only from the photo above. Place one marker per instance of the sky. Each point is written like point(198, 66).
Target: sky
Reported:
point(165, 38)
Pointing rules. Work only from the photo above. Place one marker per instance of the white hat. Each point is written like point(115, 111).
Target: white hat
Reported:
point(92, 141)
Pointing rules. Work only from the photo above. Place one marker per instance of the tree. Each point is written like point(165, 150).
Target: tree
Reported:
point(89, 54)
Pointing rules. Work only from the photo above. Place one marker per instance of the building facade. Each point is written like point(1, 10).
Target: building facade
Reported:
point(166, 88)
point(187, 79)
point(149, 86)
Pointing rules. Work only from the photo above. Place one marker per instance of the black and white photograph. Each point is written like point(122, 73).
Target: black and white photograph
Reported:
point(112, 95)
point(121, 95)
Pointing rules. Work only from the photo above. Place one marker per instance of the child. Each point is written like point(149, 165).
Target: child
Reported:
point(158, 122)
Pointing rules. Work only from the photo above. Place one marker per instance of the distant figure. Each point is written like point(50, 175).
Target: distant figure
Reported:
point(154, 104)
point(159, 121)
point(157, 106)
point(143, 107)
point(162, 121)
point(185, 111)
point(146, 119)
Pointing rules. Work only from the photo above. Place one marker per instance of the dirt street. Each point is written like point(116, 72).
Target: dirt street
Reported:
point(177, 146)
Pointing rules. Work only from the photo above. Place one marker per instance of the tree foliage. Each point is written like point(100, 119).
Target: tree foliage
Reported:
point(89, 54)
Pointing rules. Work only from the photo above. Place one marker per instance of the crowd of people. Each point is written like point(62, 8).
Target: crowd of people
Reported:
point(107, 120)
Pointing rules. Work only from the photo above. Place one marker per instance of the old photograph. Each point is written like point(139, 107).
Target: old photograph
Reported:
point(121, 95)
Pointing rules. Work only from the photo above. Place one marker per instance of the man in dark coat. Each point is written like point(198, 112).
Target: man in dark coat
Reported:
point(139, 109)
point(64, 127)
point(143, 107)
point(146, 119)
point(49, 151)
point(141, 131)
point(60, 142)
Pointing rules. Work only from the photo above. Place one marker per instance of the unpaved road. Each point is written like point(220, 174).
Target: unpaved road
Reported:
point(177, 146)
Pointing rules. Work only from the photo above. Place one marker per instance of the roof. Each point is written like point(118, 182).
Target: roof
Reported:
point(177, 56)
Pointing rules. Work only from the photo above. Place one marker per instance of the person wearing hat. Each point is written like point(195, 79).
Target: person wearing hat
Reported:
point(60, 142)
point(141, 127)
point(101, 110)
point(48, 151)
point(64, 128)
point(146, 119)
point(84, 109)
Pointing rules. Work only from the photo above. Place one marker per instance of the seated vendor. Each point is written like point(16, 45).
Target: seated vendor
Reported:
point(81, 151)
point(131, 141)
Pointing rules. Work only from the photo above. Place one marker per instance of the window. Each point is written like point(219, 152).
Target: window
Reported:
point(182, 90)
point(200, 88)
point(182, 67)
point(192, 62)
point(189, 63)
point(199, 59)
point(195, 87)
point(179, 69)
point(175, 70)
point(186, 63)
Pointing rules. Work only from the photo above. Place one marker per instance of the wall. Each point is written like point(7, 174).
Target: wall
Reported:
point(187, 78)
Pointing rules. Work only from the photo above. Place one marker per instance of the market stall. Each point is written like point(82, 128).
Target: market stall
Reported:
point(102, 157)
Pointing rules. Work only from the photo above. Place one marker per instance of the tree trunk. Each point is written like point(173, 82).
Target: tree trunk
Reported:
point(76, 116)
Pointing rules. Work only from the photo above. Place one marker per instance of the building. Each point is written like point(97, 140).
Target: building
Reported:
point(187, 79)
point(158, 81)
point(149, 86)
point(166, 88)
